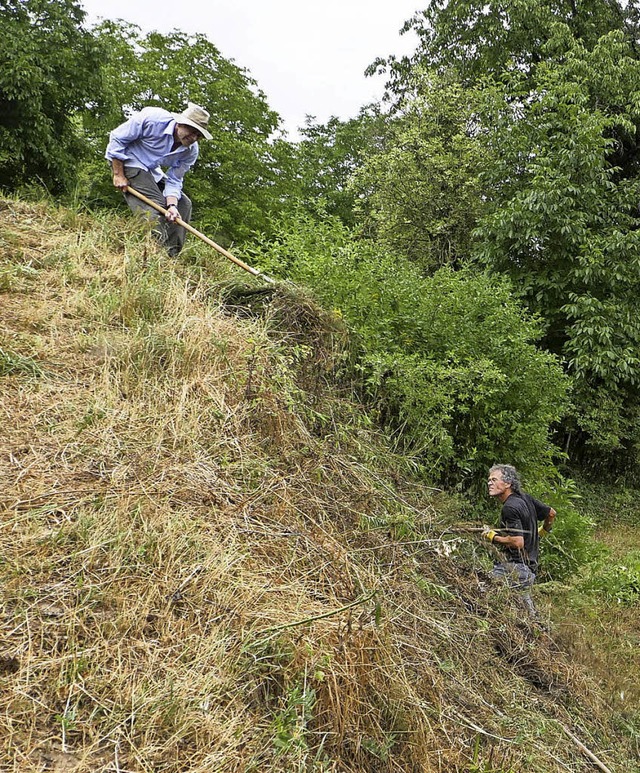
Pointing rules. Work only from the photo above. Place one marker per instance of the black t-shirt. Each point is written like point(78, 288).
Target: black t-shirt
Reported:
point(521, 512)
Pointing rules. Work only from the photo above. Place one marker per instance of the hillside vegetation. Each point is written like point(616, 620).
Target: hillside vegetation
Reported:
point(211, 561)
point(477, 228)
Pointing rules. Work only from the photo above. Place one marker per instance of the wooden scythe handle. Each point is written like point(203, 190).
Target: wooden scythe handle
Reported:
point(200, 235)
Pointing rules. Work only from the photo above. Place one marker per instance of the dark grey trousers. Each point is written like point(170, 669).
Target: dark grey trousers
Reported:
point(520, 578)
point(171, 235)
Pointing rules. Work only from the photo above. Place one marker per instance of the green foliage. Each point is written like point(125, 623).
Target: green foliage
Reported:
point(449, 361)
point(561, 221)
point(15, 364)
point(548, 98)
point(432, 589)
point(418, 190)
point(50, 68)
point(290, 724)
point(329, 155)
point(381, 750)
point(477, 38)
point(616, 581)
point(570, 545)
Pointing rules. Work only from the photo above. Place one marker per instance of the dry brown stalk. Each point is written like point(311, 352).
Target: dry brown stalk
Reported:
point(597, 762)
point(314, 618)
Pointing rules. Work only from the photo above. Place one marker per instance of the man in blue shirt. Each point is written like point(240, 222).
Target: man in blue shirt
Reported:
point(140, 147)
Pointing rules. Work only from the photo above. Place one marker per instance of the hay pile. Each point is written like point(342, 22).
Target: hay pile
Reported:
point(209, 561)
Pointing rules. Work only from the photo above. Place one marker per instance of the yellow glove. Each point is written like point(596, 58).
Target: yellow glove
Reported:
point(542, 532)
point(489, 533)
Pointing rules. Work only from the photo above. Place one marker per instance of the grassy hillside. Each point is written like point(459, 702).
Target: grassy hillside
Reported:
point(209, 561)
point(602, 628)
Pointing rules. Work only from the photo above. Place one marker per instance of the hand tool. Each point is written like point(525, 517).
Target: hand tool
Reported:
point(200, 235)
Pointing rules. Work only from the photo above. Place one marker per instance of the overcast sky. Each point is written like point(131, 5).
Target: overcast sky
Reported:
point(307, 57)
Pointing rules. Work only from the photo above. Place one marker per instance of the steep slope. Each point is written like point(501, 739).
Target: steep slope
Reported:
point(208, 559)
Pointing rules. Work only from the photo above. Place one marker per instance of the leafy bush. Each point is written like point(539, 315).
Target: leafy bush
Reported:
point(561, 220)
point(418, 189)
point(570, 545)
point(449, 361)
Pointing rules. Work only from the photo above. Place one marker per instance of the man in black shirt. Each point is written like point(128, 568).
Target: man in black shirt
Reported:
point(519, 518)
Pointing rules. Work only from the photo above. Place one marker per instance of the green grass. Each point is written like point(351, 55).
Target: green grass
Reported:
point(12, 364)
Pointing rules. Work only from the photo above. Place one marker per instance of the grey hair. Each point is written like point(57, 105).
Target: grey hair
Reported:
point(509, 476)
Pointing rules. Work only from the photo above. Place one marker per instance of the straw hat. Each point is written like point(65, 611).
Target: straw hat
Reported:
point(195, 116)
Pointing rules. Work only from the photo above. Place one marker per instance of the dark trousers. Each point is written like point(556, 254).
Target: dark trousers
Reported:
point(171, 235)
point(520, 578)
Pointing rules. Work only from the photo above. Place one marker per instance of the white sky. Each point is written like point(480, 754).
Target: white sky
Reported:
point(308, 58)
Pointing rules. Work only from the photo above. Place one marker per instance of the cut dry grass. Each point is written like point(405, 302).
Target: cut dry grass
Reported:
point(208, 560)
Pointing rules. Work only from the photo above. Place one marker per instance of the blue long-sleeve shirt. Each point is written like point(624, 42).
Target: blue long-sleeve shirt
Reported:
point(145, 141)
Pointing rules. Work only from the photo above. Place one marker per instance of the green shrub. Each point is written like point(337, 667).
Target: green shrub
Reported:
point(449, 361)
point(570, 545)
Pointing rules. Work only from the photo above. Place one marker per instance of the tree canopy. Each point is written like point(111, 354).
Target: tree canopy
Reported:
point(548, 123)
point(50, 68)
